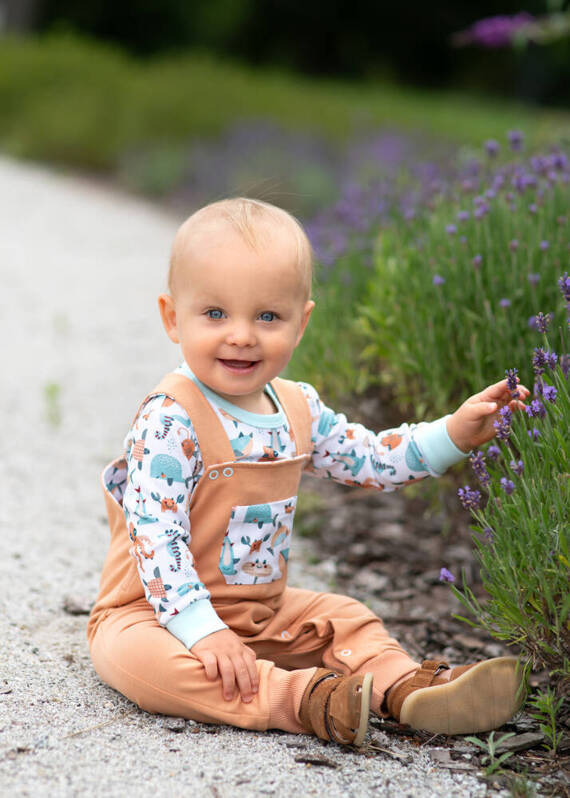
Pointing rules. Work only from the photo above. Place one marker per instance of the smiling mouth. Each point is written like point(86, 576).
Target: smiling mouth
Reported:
point(241, 366)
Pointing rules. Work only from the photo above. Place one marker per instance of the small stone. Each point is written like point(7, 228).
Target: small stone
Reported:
point(175, 724)
point(520, 742)
point(77, 605)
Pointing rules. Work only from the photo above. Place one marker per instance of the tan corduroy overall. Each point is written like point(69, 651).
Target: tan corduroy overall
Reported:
point(291, 630)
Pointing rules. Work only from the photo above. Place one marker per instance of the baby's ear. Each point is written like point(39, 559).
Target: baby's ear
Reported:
point(168, 316)
point(307, 310)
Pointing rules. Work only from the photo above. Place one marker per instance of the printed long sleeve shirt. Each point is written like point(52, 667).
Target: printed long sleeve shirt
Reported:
point(156, 509)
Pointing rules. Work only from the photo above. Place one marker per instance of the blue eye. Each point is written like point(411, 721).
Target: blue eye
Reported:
point(267, 315)
point(214, 313)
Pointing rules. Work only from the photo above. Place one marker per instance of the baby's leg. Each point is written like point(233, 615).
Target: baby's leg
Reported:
point(136, 656)
point(336, 632)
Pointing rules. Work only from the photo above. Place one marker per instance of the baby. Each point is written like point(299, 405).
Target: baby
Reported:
point(193, 616)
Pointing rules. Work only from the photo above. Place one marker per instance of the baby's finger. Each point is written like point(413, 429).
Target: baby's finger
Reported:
point(243, 680)
point(252, 668)
point(227, 673)
point(210, 664)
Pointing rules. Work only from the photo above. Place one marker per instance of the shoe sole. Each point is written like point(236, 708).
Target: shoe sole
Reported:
point(481, 699)
point(366, 693)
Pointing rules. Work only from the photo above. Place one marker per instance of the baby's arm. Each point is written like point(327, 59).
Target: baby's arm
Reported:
point(473, 423)
point(351, 454)
point(164, 466)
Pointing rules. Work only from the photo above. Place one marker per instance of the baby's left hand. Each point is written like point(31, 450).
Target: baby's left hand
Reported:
point(472, 424)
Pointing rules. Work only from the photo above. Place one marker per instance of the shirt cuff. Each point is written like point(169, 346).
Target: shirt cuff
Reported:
point(438, 449)
point(196, 621)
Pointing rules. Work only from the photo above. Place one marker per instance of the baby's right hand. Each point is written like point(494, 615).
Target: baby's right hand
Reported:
point(223, 653)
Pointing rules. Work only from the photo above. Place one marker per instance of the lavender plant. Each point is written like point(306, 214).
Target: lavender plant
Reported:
point(453, 278)
point(522, 527)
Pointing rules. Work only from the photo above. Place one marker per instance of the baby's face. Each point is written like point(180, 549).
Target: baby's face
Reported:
point(237, 314)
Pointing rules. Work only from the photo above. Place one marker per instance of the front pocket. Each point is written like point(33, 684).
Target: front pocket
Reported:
point(256, 543)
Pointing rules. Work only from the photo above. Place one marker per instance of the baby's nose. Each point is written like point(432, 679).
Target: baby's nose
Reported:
point(242, 334)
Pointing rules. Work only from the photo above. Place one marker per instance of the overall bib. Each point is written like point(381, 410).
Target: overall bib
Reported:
point(241, 520)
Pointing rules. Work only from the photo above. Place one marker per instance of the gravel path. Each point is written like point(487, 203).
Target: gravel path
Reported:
point(81, 343)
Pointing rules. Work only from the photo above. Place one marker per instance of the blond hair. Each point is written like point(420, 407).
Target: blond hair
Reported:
point(254, 220)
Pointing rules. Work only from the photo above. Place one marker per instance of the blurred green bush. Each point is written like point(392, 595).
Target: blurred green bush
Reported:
point(73, 101)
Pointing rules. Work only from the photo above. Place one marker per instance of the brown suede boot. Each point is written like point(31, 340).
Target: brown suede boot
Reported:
point(336, 707)
point(461, 700)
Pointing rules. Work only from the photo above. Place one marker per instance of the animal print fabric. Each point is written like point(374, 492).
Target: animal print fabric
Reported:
point(164, 466)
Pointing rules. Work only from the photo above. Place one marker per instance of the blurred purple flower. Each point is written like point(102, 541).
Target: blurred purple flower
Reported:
point(463, 216)
point(565, 365)
point(533, 279)
point(532, 322)
point(549, 392)
point(470, 499)
point(514, 245)
point(542, 321)
point(477, 461)
point(490, 193)
point(564, 285)
point(489, 535)
point(497, 31)
point(534, 434)
point(503, 424)
point(446, 576)
point(493, 452)
point(511, 375)
point(480, 211)
point(533, 208)
point(544, 245)
point(517, 466)
point(515, 136)
point(451, 229)
point(507, 485)
point(477, 260)
point(535, 409)
point(438, 279)
point(492, 147)
point(505, 303)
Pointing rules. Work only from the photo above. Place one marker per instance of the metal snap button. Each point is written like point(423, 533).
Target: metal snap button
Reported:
point(213, 474)
point(228, 472)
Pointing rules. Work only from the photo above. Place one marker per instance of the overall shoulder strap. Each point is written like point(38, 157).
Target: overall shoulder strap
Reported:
point(297, 411)
point(212, 439)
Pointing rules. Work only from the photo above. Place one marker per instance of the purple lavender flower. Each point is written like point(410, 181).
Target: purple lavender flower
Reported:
point(480, 211)
point(533, 279)
point(490, 193)
point(565, 365)
point(532, 322)
point(491, 32)
point(438, 279)
point(539, 361)
point(533, 208)
point(477, 260)
point(503, 424)
point(492, 147)
point(534, 434)
point(477, 461)
point(446, 576)
point(517, 466)
point(489, 535)
point(505, 303)
point(535, 409)
point(549, 392)
point(493, 452)
point(463, 216)
point(470, 499)
point(542, 321)
point(564, 285)
point(544, 245)
point(516, 138)
point(512, 382)
point(451, 229)
point(514, 245)
point(507, 485)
